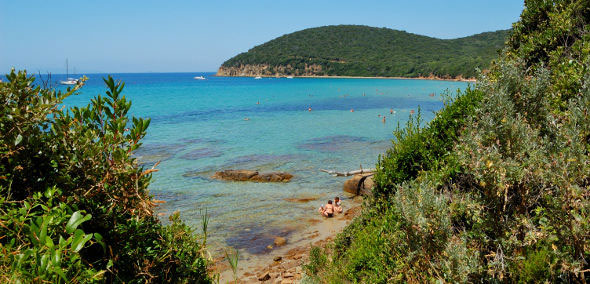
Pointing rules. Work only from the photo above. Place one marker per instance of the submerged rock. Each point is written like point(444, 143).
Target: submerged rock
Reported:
point(248, 175)
point(280, 241)
point(201, 153)
point(359, 184)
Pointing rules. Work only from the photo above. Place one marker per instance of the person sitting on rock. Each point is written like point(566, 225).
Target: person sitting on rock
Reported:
point(337, 207)
point(328, 210)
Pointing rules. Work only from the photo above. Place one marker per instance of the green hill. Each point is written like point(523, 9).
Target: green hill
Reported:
point(349, 50)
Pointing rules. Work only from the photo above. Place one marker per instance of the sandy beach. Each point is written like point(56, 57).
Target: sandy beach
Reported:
point(283, 264)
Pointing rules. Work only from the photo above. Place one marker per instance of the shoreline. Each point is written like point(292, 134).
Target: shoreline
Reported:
point(284, 262)
point(433, 78)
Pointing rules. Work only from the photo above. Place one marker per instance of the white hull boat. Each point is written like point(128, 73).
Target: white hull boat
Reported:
point(69, 81)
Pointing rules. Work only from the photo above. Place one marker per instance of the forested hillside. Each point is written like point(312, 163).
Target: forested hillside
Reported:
point(348, 50)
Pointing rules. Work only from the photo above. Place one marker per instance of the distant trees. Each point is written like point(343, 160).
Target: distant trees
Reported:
point(366, 51)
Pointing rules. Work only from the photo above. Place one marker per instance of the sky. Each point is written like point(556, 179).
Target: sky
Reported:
point(198, 36)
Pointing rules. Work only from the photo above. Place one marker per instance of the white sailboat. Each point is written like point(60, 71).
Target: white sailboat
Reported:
point(68, 81)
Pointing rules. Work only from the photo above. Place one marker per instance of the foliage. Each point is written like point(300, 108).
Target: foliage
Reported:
point(317, 260)
point(417, 149)
point(86, 152)
point(42, 240)
point(503, 194)
point(349, 50)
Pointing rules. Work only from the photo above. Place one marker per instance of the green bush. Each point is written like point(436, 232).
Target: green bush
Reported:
point(86, 152)
point(417, 149)
point(502, 193)
point(41, 240)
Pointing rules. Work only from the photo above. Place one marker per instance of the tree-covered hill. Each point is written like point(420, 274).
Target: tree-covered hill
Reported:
point(349, 50)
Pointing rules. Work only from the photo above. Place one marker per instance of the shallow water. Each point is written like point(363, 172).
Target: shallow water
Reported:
point(199, 127)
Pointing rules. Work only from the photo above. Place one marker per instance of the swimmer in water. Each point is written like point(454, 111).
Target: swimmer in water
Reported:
point(327, 210)
point(351, 110)
point(378, 115)
point(390, 111)
point(337, 207)
point(384, 119)
point(258, 102)
point(309, 109)
point(245, 118)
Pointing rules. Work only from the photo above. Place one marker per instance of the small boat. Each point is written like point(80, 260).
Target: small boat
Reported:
point(289, 77)
point(200, 78)
point(68, 81)
point(257, 77)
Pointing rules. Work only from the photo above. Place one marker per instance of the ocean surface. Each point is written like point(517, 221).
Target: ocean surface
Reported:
point(202, 126)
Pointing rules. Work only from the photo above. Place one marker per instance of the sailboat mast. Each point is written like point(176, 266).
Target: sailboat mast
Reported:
point(67, 71)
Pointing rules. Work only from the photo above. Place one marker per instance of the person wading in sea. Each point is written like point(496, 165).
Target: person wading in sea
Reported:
point(328, 210)
point(337, 207)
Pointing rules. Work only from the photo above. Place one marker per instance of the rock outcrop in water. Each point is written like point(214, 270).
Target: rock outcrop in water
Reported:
point(255, 176)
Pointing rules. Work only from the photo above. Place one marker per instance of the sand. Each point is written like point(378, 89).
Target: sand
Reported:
point(283, 263)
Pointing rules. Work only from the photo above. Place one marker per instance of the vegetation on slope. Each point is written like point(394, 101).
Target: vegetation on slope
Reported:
point(74, 204)
point(497, 191)
point(347, 50)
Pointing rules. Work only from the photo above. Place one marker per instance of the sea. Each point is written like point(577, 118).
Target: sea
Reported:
point(299, 126)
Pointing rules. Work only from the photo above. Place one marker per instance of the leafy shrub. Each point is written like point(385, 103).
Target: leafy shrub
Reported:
point(86, 152)
point(41, 240)
point(505, 187)
point(417, 149)
point(317, 260)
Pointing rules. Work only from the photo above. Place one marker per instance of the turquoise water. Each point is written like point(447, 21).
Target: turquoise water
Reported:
point(199, 127)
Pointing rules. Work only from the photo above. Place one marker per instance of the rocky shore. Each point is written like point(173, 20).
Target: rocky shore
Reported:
point(312, 71)
point(283, 265)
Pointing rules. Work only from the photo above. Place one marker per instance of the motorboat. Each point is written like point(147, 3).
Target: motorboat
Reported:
point(289, 77)
point(200, 78)
point(257, 77)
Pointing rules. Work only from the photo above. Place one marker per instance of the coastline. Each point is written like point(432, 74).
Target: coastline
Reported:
point(284, 263)
point(433, 78)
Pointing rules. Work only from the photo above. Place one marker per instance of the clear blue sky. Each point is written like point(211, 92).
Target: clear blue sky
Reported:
point(186, 36)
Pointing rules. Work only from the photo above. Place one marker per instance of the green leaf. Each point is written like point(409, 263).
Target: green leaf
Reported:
point(79, 240)
point(18, 139)
point(76, 219)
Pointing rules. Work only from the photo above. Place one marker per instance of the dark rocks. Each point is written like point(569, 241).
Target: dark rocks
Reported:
point(359, 184)
point(277, 258)
point(255, 176)
point(264, 276)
